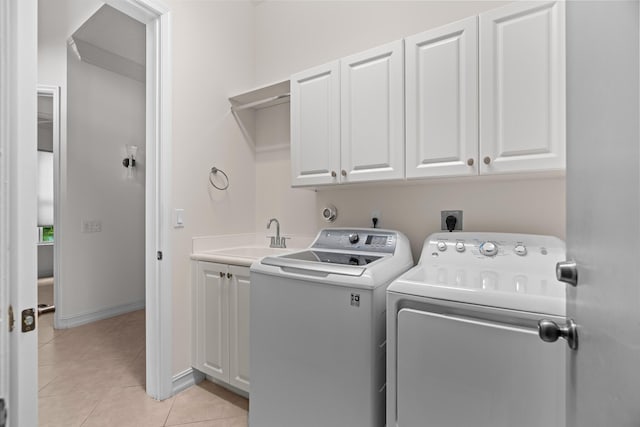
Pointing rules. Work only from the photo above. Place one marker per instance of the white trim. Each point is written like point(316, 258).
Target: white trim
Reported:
point(157, 18)
point(5, 114)
point(186, 379)
point(84, 318)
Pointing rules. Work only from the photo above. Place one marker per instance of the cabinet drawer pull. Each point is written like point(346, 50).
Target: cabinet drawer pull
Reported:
point(229, 275)
point(344, 172)
point(470, 162)
point(487, 160)
point(221, 274)
point(333, 174)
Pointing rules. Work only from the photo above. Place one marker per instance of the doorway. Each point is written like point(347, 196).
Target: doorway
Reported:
point(48, 152)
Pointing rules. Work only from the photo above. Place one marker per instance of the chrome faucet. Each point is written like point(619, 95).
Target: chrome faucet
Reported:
point(276, 241)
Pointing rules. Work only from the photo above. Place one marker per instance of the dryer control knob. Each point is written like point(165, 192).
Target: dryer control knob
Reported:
point(354, 238)
point(460, 246)
point(442, 246)
point(520, 250)
point(488, 249)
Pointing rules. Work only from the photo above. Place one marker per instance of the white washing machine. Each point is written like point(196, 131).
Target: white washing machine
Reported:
point(462, 334)
point(317, 324)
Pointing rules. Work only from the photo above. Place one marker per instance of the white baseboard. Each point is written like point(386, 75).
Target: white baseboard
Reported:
point(186, 379)
point(228, 387)
point(84, 318)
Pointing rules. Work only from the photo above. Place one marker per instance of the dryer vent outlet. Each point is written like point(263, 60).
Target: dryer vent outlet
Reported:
point(445, 225)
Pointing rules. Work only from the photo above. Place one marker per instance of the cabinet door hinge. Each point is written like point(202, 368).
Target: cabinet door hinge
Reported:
point(12, 320)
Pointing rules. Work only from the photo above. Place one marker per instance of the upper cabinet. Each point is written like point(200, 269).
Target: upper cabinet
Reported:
point(442, 101)
point(372, 117)
point(522, 88)
point(315, 125)
point(347, 119)
point(479, 96)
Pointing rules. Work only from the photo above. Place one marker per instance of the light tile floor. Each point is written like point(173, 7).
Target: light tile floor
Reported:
point(94, 375)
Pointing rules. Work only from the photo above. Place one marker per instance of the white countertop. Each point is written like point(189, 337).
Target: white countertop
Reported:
point(241, 249)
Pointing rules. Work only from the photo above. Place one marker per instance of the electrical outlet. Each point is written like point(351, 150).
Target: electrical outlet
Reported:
point(443, 220)
point(376, 213)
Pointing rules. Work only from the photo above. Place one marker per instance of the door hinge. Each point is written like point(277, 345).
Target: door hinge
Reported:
point(159, 255)
point(12, 320)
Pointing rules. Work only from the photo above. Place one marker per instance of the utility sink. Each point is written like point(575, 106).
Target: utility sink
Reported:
point(251, 251)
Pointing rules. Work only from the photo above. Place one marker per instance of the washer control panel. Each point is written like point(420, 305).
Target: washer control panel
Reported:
point(357, 239)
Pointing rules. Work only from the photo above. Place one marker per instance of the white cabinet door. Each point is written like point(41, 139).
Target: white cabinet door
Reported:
point(239, 327)
point(442, 101)
point(214, 319)
point(522, 88)
point(372, 114)
point(315, 126)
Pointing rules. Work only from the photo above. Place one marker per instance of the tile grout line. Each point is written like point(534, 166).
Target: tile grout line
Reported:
point(170, 409)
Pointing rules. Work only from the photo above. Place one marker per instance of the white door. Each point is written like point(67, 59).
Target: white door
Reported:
point(603, 212)
point(486, 377)
point(213, 287)
point(522, 88)
point(239, 289)
point(372, 114)
point(18, 207)
point(315, 126)
point(441, 67)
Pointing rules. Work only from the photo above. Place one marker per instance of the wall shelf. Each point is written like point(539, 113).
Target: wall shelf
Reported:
point(262, 97)
point(245, 105)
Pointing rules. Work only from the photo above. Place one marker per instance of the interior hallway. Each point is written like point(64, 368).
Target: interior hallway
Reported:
point(94, 375)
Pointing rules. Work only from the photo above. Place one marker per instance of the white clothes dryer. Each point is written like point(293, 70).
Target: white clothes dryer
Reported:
point(462, 334)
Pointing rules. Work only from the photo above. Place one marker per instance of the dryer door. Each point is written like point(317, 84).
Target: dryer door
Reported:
point(455, 371)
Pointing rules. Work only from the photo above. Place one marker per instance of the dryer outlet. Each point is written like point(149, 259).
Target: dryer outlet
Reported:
point(443, 220)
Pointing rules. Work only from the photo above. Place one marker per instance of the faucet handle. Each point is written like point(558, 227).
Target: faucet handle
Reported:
point(283, 241)
point(272, 243)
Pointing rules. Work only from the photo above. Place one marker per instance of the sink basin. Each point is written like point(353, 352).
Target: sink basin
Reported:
point(251, 252)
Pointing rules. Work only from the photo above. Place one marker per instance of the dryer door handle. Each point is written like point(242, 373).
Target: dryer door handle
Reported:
point(550, 331)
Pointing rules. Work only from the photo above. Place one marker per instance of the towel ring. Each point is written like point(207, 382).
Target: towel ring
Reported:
point(213, 172)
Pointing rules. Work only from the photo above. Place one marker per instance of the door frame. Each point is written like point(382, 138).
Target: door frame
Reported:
point(158, 273)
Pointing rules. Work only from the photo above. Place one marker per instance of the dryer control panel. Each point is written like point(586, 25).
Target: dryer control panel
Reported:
point(498, 246)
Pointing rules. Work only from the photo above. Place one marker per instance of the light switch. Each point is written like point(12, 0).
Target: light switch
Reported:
point(178, 218)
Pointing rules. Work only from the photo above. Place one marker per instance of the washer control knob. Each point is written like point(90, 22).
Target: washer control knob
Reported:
point(520, 250)
point(442, 246)
point(460, 246)
point(488, 249)
point(354, 238)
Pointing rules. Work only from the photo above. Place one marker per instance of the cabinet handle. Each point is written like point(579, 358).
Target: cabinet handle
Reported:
point(470, 162)
point(487, 160)
point(333, 174)
point(229, 275)
point(221, 274)
point(344, 172)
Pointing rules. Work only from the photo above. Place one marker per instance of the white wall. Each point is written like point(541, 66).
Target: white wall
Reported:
point(102, 270)
point(213, 58)
point(292, 36)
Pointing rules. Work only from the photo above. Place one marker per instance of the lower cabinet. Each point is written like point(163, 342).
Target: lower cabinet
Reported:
point(220, 322)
